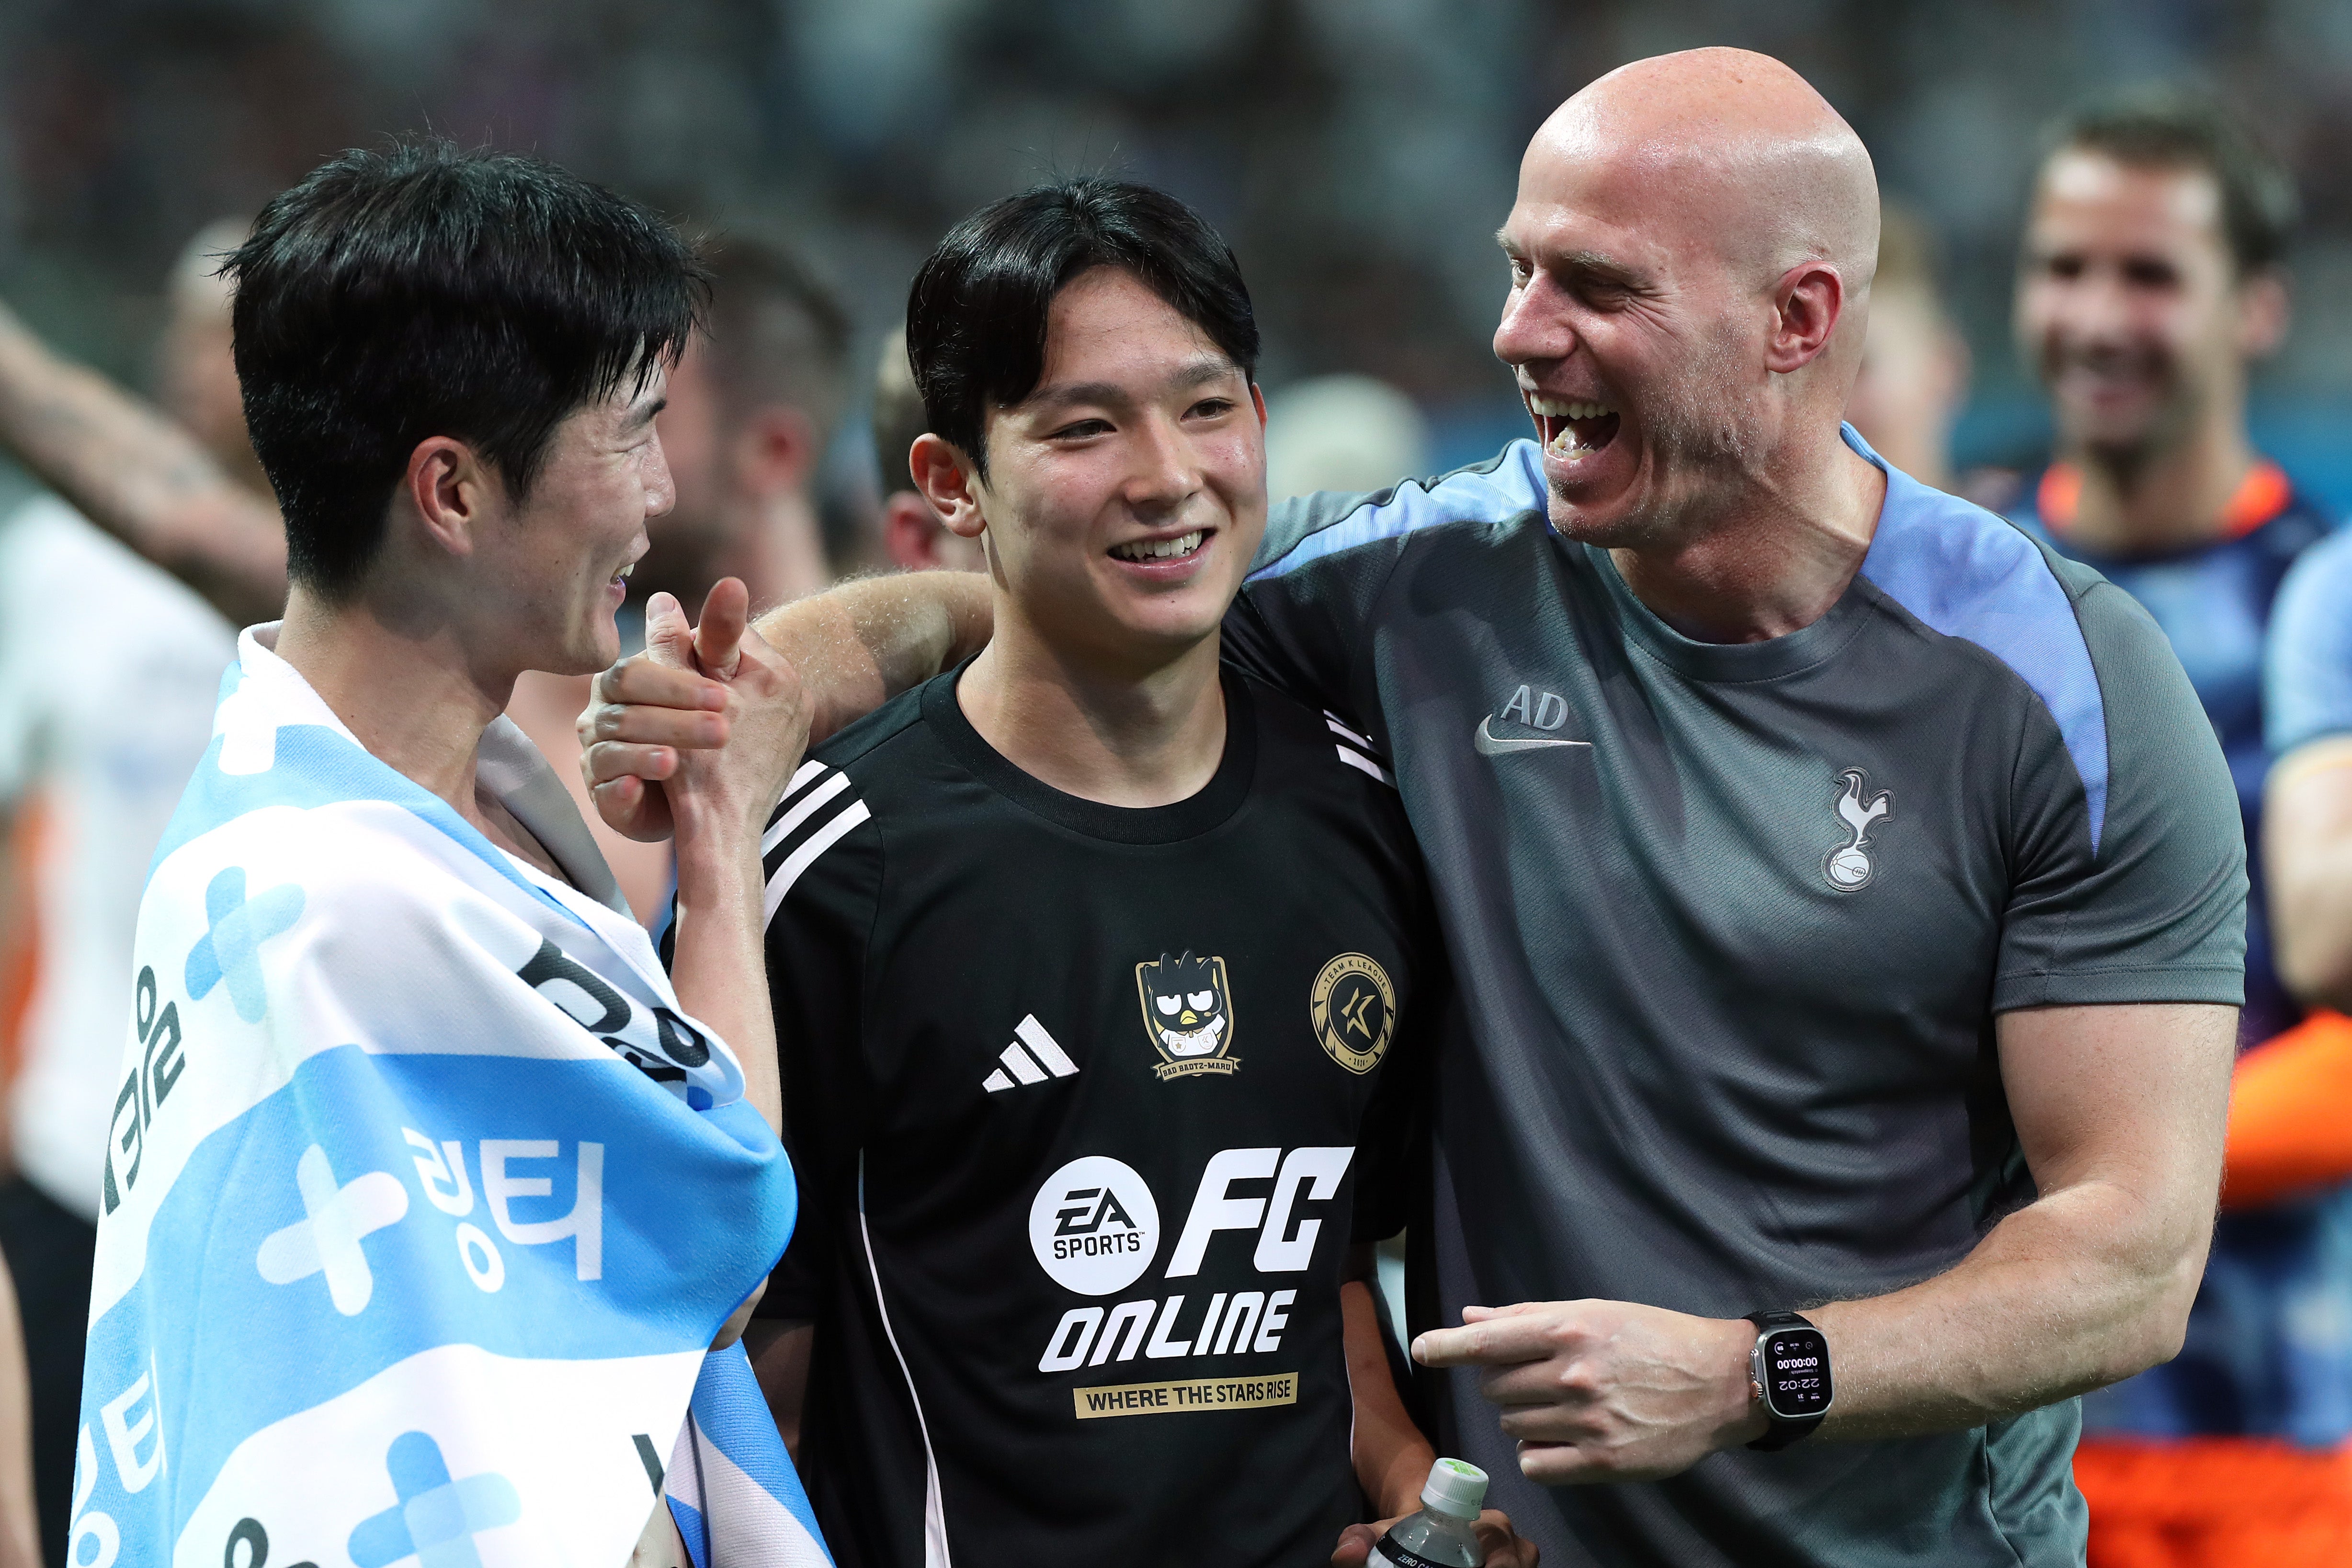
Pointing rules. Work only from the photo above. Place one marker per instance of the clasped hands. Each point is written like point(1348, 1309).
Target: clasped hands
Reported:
point(710, 719)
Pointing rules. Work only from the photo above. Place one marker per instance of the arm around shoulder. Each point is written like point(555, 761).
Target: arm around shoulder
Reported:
point(862, 642)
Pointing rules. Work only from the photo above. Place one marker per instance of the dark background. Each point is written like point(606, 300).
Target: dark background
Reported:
point(1358, 153)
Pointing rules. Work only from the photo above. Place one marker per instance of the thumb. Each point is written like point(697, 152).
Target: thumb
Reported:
point(668, 639)
point(1356, 1543)
point(718, 640)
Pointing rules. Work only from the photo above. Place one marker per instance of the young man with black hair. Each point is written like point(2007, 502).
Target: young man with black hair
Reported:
point(377, 926)
point(1104, 974)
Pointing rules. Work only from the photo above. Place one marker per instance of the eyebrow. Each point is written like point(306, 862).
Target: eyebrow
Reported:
point(1197, 372)
point(1587, 261)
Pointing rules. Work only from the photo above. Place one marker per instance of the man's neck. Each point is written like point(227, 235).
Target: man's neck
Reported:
point(2145, 501)
point(1776, 565)
point(1125, 738)
point(408, 695)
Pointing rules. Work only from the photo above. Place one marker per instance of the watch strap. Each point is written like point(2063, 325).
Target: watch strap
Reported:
point(1779, 1431)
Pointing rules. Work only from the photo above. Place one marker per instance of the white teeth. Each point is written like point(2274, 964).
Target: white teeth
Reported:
point(1559, 408)
point(623, 574)
point(1159, 549)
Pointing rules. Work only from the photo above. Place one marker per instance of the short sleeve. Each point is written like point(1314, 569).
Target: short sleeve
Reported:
point(2307, 684)
point(824, 882)
point(2146, 902)
point(1307, 607)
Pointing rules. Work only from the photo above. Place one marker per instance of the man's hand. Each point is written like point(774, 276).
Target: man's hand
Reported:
point(763, 727)
point(1605, 1391)
point(1501, 1544)
point(646, 713)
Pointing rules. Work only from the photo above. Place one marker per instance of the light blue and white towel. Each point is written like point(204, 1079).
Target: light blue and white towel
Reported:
point(423, 1197)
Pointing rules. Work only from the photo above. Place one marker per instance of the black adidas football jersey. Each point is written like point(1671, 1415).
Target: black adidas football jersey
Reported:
point(1087, 1104)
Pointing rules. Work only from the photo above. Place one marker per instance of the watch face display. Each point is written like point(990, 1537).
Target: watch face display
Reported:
point(1797, 1372)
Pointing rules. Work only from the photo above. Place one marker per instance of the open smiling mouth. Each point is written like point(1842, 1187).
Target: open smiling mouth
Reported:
point(620, 579)
point(1152, 551)
point(1570, 429)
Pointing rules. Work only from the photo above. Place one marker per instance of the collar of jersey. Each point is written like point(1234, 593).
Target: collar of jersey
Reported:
point(1771, 660)
point(1188, 818)
point(2261, 497)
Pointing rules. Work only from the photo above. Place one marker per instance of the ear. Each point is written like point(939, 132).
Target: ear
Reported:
point(944, 475)
point(2263, 309)
point(1807, 303)
point(451, 492)
point(911, 532)
point(775, 449)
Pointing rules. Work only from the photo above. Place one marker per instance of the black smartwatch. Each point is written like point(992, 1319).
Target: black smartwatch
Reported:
point(1789, 1373)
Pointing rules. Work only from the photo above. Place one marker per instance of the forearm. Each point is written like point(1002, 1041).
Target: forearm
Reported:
point(139, 477)
point(1393, 1458)
point(2081, 1289)
point(19, 1540)
point(860, 642)
point(720, 964)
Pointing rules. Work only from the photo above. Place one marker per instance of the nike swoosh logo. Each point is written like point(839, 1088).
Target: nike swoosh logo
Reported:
point(1490, 744)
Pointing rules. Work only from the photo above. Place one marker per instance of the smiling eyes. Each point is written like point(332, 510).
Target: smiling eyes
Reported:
point(1083, 429)
point(2139, 272)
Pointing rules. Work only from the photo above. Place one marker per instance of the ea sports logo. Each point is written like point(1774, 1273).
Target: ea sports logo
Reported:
point(1094, 1225)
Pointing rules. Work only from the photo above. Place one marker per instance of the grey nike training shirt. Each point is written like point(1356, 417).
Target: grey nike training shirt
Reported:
point(1732, 924)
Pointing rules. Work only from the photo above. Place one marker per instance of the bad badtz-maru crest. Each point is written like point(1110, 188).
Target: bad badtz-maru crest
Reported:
point(1188, 1010)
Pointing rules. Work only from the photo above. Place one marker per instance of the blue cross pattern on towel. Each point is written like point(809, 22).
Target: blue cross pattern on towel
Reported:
point(231, 949)
point(436, 1518)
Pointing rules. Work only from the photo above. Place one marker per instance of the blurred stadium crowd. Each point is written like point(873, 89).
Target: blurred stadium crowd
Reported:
point(1353, 151)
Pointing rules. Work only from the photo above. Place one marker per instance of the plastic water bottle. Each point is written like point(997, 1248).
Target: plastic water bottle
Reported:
point(1440, 1535)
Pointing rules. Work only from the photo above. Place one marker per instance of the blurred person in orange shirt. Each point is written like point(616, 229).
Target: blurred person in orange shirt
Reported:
point(1914, 364)
point(915, 537)
point(2150, 283)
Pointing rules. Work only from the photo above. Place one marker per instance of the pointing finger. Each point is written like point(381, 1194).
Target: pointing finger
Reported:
point(1496, 1341)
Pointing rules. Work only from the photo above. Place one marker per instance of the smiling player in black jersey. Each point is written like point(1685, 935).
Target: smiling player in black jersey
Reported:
point(1104, 975)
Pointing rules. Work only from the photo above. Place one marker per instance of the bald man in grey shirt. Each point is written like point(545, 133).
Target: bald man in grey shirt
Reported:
point(1847, 895)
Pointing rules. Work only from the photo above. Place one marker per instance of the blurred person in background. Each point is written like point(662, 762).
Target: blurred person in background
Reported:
point(915, 537)
point(1915, 364)
point(1342, 433)
point(2149, 283)
point(92, 766)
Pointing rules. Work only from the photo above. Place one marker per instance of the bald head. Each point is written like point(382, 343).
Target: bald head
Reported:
point(1691, 252)
point(1727, 148)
